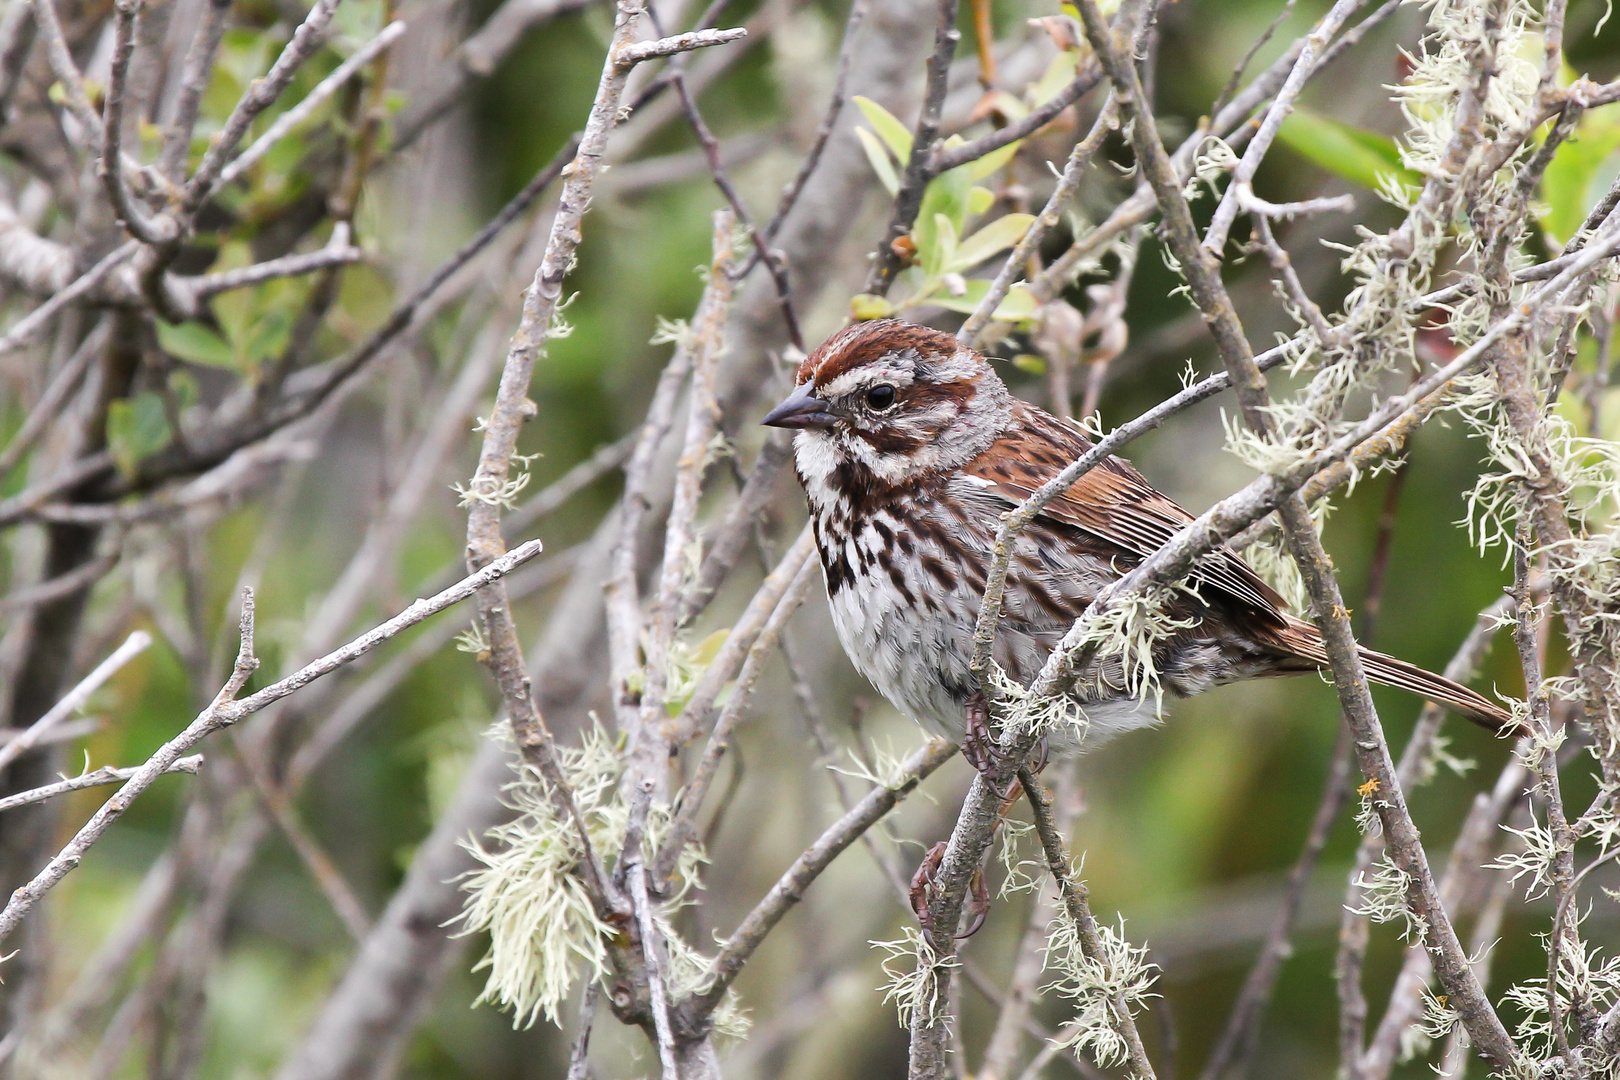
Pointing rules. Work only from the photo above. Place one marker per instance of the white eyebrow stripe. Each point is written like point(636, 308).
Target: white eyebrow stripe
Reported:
point(850, 380)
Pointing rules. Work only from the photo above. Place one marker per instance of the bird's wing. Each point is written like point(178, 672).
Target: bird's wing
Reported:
point(1112, 502)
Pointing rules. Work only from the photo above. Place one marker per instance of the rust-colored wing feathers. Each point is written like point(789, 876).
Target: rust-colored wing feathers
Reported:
point(1117, 505)
point(1112, 502)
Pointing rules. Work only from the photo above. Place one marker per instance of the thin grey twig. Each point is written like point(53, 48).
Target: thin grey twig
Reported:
point(24, 329)
point(287, 266)
point(790, 887)
point(74, 699)
point(226, 710)
point(915, 180)
point(1077, 906)
point(829, 120)
point(141, 225)
point(1304, 67)
point(1048, 219)
point(101, 777)
point(296, 115)
point(579, 1053)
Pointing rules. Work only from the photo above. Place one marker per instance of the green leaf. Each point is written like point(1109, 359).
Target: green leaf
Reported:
point(895, 135)
point(196, 344)
point(137, 428)
point(879, 159)
point(941, 247)
point(1035, 365)
point(945, 196)
point(980, 199)
point(1570, 187)
point(995, 237)
point(267, 337)
point(1059, 73)
point(1360, 156)
point(709, 648)
point(184, 389)
point(1019, 306)
point(868, 306)
point(994, 160)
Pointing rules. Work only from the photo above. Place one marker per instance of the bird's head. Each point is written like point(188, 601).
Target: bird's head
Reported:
point(894, 401)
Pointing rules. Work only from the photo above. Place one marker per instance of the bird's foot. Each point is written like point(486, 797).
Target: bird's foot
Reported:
point(978, 741)
point(922, 891)
point(981, 750)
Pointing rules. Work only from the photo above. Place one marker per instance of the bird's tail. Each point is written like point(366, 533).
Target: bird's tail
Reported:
point(1303, 640)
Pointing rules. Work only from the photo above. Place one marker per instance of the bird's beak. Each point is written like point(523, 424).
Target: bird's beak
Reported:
point(801, 409)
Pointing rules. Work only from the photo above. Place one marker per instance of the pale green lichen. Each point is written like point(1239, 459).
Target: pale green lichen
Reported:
point(912, 981)
point(527, 895)
point(1118, 977)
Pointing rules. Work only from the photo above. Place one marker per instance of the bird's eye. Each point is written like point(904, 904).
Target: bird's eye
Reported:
point(880, 397)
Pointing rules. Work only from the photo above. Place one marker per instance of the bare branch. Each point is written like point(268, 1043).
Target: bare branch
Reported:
point(790, 888)
point(101, 777)
point(75, 699)
point(226, 710)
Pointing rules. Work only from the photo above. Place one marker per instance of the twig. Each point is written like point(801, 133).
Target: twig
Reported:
point(194, 76)
point(317, 863)
point(631, 55)
point(749, 626)
point(1023, 988)
point(740, 524)
point(261, 94)
point(635, 874)
point(74, 699)
point(1045, 221)
point(226, 710)
point(1077, 906)
point(623, 587)
point(944, 160)
point(579, 1053)
point(32, 596)
point(1305, 545)
point(829, 120)
point(296, 115)
point(1293, 289)
point(790, 887)
point(476, 58)
point(101, 777)
point(54, 398)
point(142, 226)
point(1354, 927)
point(540, 304)
point(287, 266)
point(703, 342)
point(1283, 104)
point(722, 180)
point(24, 329)
point(569, 484)
point(65, 70)
point(683, 828)
point(909, 199)
point(1241, 1034)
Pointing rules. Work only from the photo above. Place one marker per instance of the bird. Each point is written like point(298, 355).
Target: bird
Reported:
point(910, 448)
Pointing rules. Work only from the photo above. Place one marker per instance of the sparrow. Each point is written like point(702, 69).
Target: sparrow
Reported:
point(910, 448)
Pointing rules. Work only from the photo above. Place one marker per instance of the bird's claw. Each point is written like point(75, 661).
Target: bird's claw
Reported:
point(921, 894)
point(980, 749)
point(978, 741)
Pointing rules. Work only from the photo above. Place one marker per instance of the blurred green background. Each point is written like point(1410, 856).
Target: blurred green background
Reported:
point(1187, 830)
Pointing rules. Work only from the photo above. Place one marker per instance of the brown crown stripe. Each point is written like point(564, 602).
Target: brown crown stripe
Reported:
point(854, 345)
